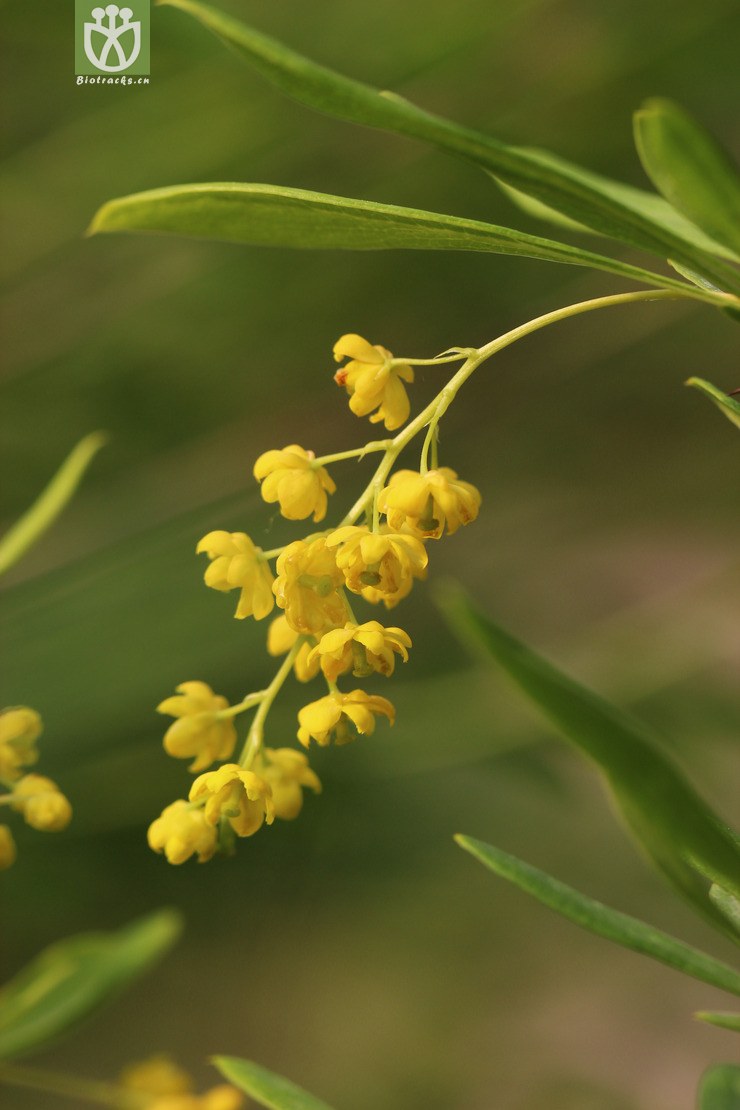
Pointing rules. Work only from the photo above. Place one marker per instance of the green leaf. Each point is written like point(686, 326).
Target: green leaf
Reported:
point(577, 194)
point(273, 216)
point(265, 1086)
point(727, 904)
point(720, 1088)
point(721, 1020)
point(726, 404)
point(692, 171)
point(600, 919)
point(674, 826)
point(72, 978)
point(47, 507)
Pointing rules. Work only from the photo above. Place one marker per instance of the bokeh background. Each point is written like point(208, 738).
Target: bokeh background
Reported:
point(358, 950)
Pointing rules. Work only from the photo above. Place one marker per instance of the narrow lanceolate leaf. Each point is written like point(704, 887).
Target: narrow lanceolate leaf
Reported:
point(600, 919)
point(689, 167)
point(730, 406)
point(720, 1088)
point(267, 1088)
point(72, 978)
point(721, 1020)
point(674, 826)
point(47, 507)
point(581, 196)
point(273, 216)
point(727, 904)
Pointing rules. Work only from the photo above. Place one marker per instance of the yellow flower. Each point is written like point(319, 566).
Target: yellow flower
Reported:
point(171, 1088)
point(159, 1075)
point(181, 832)
point(20, 728)
point(287, 771)
point(380, 566)
point(330, 718)
point(7, 848)
point(43, 805)
point(198, 731)
point(280, 639)
point(307, 585)
point(236, 563)
point(372, 381)
point(427, 502)
point(242, 797)
point(292, 478)
point(222, 1097)
point(360, 648)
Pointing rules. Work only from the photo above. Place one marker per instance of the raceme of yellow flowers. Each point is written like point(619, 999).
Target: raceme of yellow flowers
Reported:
point(36, 797)
point(375, 553)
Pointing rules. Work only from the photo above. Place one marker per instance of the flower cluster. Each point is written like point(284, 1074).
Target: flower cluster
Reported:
point(375, 553)
point(163, 1085)
point(36, 797)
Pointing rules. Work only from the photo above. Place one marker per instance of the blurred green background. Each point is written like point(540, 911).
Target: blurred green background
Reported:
point(357, 950)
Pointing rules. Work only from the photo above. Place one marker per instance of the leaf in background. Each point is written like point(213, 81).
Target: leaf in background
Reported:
point(273, 216)
point(689, 167)
point(71, 979)
point(720, 1088)
point(721, 1020)
point(556, 183)
point(726, 404)
point(600, 919)
point(674, 826)
point(727, 904)
point(54, 499)
point(265, 1086)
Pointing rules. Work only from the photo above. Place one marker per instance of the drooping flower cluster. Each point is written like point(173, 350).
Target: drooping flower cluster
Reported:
point(36, 797)
point(163, 1085)
point(376, 553)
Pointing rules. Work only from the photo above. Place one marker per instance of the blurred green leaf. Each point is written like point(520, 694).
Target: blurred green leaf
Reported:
point(692, 171)
point(720, 1088)
point(51, 502)
point(267, 1088)
point(71, 979)
point(273, 216)
point(676, 828)
point(726, 404)
point(600, 919)
point(556, 183)
point(727, 905)
point(721, 1020)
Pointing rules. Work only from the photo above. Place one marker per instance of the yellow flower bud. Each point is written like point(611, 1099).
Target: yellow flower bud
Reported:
point(427, 503)
point(158, 1075)
point(237, 563)
point(43, 805)
point(20, 728)
point(181, 832)
point(280, 639)
point(198, 732)
point(360, 648)
point(7, 848)
point(287, 771)
point(171, 1088)
point(307, 585)
point(381, 566)
point(330, 717)
point(372, 381)
point(240, 796)
point(292, 478)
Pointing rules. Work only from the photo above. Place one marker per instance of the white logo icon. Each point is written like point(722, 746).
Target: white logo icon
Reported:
point(106, 36)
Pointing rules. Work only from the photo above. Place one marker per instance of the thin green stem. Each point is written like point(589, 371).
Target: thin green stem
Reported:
point(255, 736)
point(459, 355)
point(274, 552)
point(439, 405)
point(247, 703)
point(353, 453)
point(73, 1087)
